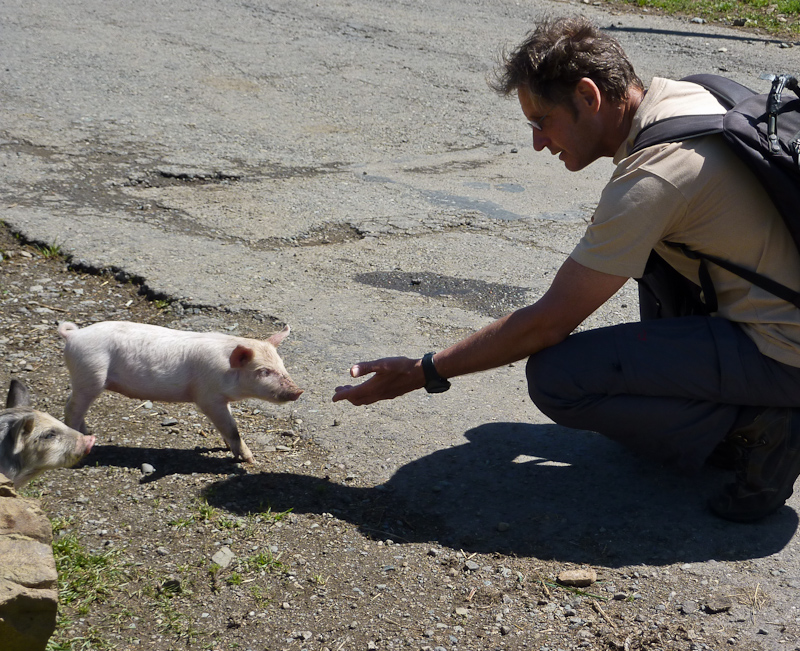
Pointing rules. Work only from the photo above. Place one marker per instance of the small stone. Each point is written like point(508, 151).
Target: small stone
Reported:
point(168, 422)
point(147, 469)
point(472, 566)
point(578, 578)
point(718, 605)
point(503, 526)
point(223, 557)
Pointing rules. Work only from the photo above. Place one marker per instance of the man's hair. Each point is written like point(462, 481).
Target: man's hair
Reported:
point(557, 54)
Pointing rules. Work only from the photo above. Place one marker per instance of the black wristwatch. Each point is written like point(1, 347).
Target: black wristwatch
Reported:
point(434, 383)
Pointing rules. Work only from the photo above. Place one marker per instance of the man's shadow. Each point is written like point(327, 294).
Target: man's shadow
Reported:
point(530, 490)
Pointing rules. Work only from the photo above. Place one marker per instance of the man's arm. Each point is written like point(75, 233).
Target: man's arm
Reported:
point(576, 292)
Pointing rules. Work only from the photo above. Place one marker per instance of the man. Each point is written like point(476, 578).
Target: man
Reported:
point(683, 390)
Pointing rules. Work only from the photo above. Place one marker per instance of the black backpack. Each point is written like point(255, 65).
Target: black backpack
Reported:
point(764, 131)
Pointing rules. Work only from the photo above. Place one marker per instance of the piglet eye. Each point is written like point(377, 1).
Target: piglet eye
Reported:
point(265, 372)
point(49, 434)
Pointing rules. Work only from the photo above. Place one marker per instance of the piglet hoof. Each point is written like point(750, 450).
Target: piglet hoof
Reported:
point(244, 457)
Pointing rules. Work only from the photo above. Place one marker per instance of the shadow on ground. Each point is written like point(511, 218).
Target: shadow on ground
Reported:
point(526, 490)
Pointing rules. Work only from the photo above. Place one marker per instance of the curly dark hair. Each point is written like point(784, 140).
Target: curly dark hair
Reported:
point(557, 54)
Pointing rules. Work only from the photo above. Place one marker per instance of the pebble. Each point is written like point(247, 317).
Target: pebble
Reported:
point(223, 557)
point(577, 578)
point(147, 469)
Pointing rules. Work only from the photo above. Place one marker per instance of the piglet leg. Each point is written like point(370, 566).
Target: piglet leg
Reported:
point(78, 404)
point(220, 415)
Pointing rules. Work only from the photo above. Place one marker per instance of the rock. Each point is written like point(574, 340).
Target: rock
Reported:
point(223, 557)
point(28, 577)
point(718, 605)
point(577, 578)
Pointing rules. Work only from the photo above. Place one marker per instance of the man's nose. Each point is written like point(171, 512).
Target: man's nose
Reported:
point(539, 140)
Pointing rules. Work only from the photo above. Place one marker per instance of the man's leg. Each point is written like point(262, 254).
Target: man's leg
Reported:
point(671, 389)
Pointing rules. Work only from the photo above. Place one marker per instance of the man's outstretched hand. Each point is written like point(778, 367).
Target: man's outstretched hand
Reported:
point(393, 377)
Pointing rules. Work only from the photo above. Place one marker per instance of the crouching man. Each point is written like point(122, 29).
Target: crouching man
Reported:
point(722, 387)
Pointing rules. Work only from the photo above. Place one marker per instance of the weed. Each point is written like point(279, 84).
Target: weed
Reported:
point(50, 251)
point(271, 517)
point(263, 561)
point(182, 523)
point(205, 510)
point(317, 579)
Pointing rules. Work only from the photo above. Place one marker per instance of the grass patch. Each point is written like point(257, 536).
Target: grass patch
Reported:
point(50, 251)
point(84, 578)
point(774, 17)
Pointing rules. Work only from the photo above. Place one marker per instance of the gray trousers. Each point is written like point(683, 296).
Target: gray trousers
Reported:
point(670, 389)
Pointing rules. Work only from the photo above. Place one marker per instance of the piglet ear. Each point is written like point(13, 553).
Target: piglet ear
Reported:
point(18, 395)
point(20, 431)
point(240, 356)
point(278, 337)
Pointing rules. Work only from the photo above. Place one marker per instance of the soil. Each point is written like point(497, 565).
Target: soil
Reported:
point(163, 542)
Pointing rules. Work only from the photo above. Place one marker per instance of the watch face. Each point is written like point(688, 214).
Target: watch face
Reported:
point(437, 387)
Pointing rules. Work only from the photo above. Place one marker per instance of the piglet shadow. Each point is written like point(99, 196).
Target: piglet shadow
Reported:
point(529, 490)
point(164, 461)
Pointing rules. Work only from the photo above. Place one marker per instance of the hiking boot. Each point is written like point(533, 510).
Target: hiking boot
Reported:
point(724, 456)
point(767, 466)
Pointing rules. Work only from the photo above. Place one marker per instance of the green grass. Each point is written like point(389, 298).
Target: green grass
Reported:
point(774, 17)
point(84, 578)
point(50, 251)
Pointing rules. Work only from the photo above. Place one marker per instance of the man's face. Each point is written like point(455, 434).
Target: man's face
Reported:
point(573, 138)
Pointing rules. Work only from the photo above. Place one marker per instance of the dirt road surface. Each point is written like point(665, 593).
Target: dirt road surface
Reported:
point(343, 167)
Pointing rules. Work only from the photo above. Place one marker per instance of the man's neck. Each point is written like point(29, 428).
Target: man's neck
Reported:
point(620, 120)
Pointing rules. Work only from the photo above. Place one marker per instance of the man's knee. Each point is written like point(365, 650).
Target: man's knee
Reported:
point(541, 374)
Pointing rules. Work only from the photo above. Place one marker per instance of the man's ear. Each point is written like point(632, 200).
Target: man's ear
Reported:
point(587, 95)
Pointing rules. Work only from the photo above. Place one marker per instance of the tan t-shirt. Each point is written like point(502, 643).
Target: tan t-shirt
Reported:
point(700, 194)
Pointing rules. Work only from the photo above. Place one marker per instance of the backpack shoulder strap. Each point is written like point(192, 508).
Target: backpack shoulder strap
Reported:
point(727, 91)
point(684, 127)
point(677, 128)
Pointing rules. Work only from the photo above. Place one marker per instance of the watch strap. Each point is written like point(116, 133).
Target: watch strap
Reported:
point(434, 383)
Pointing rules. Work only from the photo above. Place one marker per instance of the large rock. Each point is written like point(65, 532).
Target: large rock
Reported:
point(28, 577)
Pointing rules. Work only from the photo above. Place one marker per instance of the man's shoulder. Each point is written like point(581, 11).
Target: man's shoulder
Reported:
point(666, 98)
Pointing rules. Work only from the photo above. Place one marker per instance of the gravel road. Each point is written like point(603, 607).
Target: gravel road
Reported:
point(343, 167)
